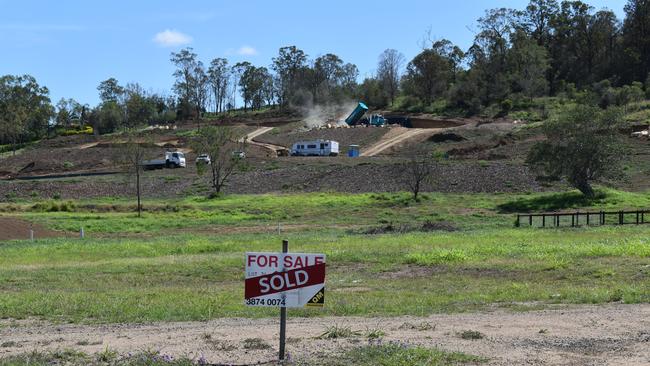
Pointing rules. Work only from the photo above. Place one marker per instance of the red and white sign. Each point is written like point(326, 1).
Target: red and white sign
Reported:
point(285, 279)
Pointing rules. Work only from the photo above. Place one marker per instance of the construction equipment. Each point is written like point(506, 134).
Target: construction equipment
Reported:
point(175, 159)
point(377, 120)
point(356, 114)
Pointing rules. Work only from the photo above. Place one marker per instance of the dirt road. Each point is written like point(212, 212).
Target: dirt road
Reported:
point(614, 334)
point(250, 138)
point(398, 136)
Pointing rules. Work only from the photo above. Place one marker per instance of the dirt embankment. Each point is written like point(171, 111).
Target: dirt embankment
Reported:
point(362, 136)
point(576, 335)
point(16, 229)
point(290, 175)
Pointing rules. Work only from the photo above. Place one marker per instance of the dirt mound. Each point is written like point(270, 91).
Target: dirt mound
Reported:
point(15, 229)
point(417, 122)
point(446, 136)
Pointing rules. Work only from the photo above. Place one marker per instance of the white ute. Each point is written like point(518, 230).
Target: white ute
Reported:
point(315, 148)
point(173, 159)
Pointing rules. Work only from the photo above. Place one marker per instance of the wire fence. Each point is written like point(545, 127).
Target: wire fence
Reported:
point(599, 218)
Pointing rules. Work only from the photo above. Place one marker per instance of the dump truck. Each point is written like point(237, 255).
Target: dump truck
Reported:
point(356, 114)
point(171, 159)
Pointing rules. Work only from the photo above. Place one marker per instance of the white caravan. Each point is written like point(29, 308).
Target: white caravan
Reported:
point(315, 148)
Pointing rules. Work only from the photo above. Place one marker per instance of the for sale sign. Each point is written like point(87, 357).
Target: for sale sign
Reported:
point(285, 279)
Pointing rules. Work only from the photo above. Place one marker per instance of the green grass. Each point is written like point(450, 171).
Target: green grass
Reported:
point(172, 264)
point(467, 211)
point(396, 354)
point(199, 277)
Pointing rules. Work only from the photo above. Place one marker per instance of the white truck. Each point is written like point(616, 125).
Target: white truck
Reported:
point(172, 159)
point(315, 148)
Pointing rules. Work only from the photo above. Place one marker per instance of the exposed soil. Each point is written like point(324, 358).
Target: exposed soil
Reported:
point(290, 175)
point(361, 135)
point(563, 335)
point(16, 229)
point(396, 137)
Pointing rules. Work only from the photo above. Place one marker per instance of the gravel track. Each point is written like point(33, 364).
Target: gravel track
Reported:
point(614, 334)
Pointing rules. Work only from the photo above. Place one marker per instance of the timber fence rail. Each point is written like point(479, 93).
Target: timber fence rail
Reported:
point(577, 218)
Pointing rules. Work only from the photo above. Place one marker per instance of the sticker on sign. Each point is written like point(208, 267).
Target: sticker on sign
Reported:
point(285, 279)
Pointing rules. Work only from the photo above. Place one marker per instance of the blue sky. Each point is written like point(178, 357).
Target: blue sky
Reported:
point(70, 46)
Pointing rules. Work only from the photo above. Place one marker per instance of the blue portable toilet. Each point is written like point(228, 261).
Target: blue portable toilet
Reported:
point(353, 151)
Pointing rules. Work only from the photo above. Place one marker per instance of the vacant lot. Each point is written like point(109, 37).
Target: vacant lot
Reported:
point(388, 256)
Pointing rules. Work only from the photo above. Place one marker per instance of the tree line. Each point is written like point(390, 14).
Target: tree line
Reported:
point(549, 48)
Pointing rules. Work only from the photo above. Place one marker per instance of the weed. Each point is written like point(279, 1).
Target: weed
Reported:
point(375, 333)
point(255, 343)
point(424, 326)
point(107, 355)
point(397, 353)
point(471, 334)
point(335, 331)
point(437, 257)
point(8, 344)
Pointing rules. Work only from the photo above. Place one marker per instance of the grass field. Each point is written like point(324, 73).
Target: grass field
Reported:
point(139, 270)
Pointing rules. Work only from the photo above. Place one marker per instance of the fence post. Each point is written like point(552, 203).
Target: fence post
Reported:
point(620, 217)
point(530, 220)
point(637, 217)
point(543, 220)
point(517, 223)
point(573, 220)
point(557, 220)
point(283, 314)
point(587, 218)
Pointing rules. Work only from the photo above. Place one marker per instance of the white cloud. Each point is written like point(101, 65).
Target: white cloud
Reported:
point(242, 51)
point(172, 38)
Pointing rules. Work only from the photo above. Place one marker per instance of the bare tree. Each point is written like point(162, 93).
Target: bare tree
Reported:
point(417, 172)
point(218, 143)
point(131, 156)
point(388, 72)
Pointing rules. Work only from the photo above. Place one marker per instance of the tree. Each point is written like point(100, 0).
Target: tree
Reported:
point(327, 74)
point(191, 80)
point(25, 109)
point(389, 72)
point(371, 93)
point(217, 143)
point(132, 155)
point(288, 65)
point(67, 111)
point(415, 173)
point(581, 146)
point(427, 76)
point(139, 108)
point(636, 38)
point(218, 78)
point(110, 90)
point(527, 64)
point(538, 18)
